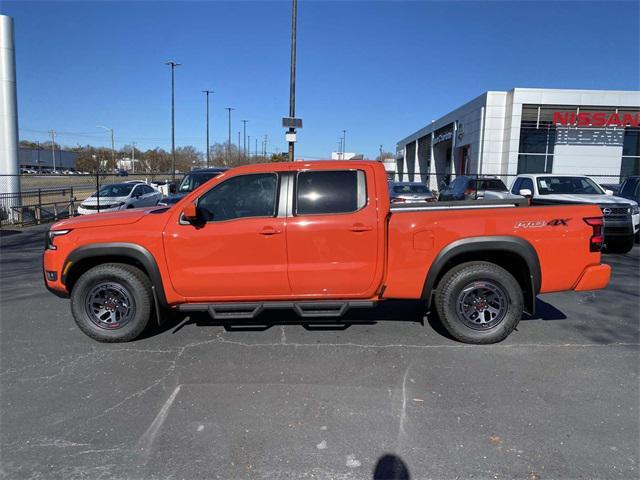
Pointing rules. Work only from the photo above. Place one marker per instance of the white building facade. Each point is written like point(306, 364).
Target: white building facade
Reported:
point(527, 130)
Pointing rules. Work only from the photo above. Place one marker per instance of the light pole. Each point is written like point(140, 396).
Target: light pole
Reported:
point(344, 143)
point(207, 92)
point(113, 145)
point(244, 144)
point(173, 66)
point(229, 109)
point(292, 78)
point(249, 145)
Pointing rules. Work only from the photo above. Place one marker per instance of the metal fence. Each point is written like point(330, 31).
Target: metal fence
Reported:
point(44, 198)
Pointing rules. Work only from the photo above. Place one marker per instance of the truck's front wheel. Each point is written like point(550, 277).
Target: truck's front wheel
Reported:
point(479, 302)
point(112, 302)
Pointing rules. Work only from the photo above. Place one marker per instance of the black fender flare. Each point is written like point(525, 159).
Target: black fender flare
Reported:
point(119, 249)
point(511, 244)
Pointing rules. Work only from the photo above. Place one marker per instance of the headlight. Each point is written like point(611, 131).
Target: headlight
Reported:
point(635, 210)
point(51, 234)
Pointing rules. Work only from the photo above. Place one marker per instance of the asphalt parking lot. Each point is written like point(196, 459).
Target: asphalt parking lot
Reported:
point(384, 399)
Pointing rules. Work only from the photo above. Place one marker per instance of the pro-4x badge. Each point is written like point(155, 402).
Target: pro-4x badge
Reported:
point(556, 222)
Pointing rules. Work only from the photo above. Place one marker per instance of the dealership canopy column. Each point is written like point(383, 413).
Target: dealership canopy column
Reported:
point(8, 112)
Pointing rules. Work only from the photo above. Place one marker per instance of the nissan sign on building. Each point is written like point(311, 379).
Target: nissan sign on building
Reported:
point(527, 130)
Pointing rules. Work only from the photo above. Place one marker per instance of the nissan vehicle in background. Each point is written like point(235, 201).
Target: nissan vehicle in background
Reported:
point(475, 188)
point(405, 192)
point(120, 196)
point(621, 215)
point(190, 182)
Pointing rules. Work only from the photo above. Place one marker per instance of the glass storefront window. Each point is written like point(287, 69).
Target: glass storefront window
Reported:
point(631, 146)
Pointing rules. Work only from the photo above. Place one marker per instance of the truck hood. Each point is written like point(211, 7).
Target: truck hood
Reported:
point(594, 199)
point(103, 200)
point(106, 219)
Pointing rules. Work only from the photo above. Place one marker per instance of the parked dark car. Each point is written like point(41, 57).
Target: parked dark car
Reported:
point(630, 189)
point(190, 182)
point(472, 188)
point(401, 192)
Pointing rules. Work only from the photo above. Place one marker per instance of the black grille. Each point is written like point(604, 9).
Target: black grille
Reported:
point(611, 211)
point(102, 206)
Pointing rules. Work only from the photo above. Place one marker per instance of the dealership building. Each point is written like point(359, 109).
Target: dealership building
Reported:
point(528, 130)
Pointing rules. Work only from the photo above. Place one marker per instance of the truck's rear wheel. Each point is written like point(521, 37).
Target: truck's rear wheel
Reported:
point(112, 302)
point(479, 302)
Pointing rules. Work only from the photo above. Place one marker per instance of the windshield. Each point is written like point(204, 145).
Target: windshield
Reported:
point(568, 185)
point(193, 180)
point(410, 189)
point(116, 190)
point(492, 184)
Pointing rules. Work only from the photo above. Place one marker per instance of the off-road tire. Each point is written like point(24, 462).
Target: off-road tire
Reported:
point(462, 277)
point(133, 282)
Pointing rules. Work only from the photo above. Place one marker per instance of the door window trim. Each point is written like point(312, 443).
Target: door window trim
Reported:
point(294, 192)
point(276, 207)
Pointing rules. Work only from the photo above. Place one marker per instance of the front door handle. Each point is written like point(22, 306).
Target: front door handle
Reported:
point(269, 231)
point(359, 227)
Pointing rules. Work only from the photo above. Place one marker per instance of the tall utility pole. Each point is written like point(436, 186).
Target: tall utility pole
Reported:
point(133, 157)
point(292, 78)
point(53, 148)
point(256, 147)
point(173, 66)
point(249, 145)
point(340, 148)
point(229, 109)
point(244, 144)
point(113, 144)
point(239, 151)
point(207, 92)
point(381, 153)
point(344, 143)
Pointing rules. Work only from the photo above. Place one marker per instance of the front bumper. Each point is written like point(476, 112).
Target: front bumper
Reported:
point(594, 277)
point(619, 228)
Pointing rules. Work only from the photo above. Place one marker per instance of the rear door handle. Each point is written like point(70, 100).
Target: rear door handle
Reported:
point(269, 231)
point(359, 227)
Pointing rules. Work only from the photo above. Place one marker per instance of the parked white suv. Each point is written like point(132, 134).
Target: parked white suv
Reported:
point(119, 196)
point(621, 215)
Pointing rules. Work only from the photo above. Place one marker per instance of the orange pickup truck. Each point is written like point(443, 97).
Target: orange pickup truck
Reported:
point(319, 238)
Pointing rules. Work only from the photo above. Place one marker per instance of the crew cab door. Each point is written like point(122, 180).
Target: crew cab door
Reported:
point(332, 233)
point(239, 251)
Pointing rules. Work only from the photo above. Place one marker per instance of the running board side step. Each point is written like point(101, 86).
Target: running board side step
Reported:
point(243, 311)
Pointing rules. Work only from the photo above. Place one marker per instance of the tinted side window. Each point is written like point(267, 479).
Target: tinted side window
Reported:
point(242, 196)
point(330, 192)
point(527, 184)
point(628, 187)
point(146, 189)
point(516, 186)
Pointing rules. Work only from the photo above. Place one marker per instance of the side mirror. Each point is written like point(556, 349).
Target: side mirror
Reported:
point(525, 192)
point(190, 213)
point(172, 188)
point(609, 192)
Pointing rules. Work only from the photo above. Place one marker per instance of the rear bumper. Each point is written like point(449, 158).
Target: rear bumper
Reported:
point(594, 277)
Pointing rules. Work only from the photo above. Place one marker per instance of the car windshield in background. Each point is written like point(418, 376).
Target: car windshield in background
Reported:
point(194, 180)
point(410, 189)
point(491, 184)
point(568, 185)
point(116, 190)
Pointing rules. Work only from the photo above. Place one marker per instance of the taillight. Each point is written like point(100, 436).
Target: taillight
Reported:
point(597, 239)
point(469, 191)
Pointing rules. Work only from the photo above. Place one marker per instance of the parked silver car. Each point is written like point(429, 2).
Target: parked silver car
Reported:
point(119, 196)
point(401, 192)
